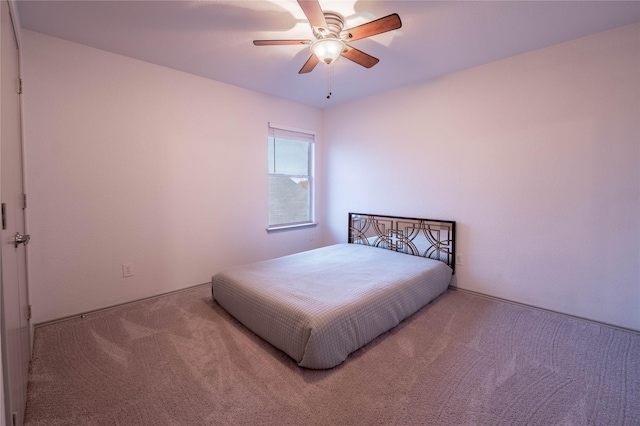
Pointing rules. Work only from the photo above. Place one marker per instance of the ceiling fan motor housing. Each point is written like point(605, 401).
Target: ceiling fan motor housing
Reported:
point(335, 23)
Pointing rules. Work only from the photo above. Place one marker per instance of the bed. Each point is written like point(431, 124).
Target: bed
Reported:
point(319, 306)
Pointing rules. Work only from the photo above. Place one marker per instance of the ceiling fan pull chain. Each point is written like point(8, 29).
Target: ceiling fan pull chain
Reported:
point(329, 95)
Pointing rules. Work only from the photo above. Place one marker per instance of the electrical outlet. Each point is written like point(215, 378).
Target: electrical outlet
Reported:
point(459, 260)
point(127, 270)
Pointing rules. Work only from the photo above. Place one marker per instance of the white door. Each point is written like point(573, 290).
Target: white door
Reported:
point(15, 305)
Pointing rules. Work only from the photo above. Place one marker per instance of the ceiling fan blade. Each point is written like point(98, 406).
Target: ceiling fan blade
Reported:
point(309, 65)
point(379, 26)
point(313, 12)
point(359, 57)
point(279, 42)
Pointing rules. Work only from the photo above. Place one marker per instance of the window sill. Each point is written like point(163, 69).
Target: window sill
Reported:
point(290, 227)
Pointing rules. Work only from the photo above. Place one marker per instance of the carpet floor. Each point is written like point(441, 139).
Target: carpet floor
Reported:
point(464, 359)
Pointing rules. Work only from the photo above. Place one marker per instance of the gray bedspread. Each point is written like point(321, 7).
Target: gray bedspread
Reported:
point(319, 306)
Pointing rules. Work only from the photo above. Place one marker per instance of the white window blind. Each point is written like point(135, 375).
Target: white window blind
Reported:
point(290, 176)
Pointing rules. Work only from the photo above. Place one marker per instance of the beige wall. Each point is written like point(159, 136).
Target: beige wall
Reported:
point(129, 162)
point(537, 158)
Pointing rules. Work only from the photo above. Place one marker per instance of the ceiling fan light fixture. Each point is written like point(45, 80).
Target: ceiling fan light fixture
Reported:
point(327, 50)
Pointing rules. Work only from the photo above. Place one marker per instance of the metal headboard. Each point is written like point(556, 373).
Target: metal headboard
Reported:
point(430, 238)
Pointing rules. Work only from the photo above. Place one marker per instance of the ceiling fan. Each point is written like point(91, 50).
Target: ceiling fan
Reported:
point(331, 40)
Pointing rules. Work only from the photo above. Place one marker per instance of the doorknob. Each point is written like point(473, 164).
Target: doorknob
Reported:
point(21, 239)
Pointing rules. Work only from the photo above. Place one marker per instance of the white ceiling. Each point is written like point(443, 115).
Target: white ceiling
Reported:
point(213, 38)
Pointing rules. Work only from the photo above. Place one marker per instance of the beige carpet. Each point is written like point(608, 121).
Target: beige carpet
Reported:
point(462, 360)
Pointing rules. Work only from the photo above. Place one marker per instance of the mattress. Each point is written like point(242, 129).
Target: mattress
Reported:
point(320, 305)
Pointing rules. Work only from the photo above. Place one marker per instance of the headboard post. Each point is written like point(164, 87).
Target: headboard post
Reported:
point(431, 238)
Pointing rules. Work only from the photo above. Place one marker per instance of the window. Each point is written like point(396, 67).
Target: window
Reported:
point(290, 177)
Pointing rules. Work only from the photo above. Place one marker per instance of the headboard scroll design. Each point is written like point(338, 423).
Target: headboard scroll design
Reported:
point(434, 239)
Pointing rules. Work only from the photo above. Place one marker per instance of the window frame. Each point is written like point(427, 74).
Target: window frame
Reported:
point(302, 135)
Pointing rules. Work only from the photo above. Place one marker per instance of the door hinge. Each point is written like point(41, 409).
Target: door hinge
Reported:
point(24, 201)
point(14, 419)
point(28, 312)
point(4, 215)
point(20, 86)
